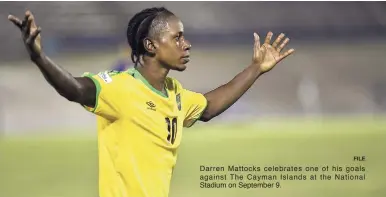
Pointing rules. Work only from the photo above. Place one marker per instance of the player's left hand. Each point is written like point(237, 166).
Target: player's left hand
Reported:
point(268, 55)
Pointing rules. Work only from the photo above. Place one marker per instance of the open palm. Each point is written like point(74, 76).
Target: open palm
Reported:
point(268, 55)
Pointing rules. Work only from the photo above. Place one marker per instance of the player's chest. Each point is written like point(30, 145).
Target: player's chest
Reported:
point(152, 113)
point(150, 104)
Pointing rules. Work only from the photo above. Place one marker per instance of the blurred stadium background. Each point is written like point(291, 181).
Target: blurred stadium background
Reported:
point(323, 105)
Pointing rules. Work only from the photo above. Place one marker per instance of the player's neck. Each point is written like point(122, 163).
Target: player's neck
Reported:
point(155, 75)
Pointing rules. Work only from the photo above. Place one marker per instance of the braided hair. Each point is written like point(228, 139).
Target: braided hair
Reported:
point(139, 28)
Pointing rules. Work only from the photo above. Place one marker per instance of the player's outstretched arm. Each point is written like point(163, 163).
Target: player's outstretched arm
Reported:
point(265, 57)
point(81, 90)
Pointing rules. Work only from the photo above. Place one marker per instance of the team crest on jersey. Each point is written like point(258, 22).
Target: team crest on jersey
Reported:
point(105, 76)
point(178, 99)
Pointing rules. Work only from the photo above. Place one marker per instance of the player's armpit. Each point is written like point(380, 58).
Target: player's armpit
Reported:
point(204, 116)
point(212, 109)
point(194, 105)
point(89, 90)
point(190, 122)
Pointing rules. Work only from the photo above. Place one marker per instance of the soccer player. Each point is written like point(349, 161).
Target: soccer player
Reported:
point(141, 111)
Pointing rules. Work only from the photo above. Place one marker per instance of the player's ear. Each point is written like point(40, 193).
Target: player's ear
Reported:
point(149, 45)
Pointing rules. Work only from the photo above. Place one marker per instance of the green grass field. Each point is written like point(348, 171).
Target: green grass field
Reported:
point(66, 166)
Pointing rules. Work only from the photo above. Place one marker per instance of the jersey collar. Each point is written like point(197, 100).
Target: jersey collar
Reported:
point(137, 75)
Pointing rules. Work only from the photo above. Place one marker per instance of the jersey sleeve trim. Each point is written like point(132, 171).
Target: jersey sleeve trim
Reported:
point(198, 118)
point(98, 90)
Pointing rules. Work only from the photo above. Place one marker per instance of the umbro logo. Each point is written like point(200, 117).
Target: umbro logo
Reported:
point(151, 105)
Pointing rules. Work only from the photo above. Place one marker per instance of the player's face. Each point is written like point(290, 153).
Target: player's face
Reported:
point(173, 48)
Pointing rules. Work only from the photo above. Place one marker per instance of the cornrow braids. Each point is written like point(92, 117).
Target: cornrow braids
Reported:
point(139, 27)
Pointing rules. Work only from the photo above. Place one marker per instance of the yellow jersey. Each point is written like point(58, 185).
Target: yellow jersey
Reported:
point(139, 132)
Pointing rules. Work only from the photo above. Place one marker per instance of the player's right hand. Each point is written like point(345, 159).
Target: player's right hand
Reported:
point(30, 33)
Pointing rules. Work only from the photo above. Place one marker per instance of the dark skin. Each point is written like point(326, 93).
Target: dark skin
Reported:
point(170, 51)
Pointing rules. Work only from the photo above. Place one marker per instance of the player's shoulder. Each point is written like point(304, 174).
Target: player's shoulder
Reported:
point(107, 76)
